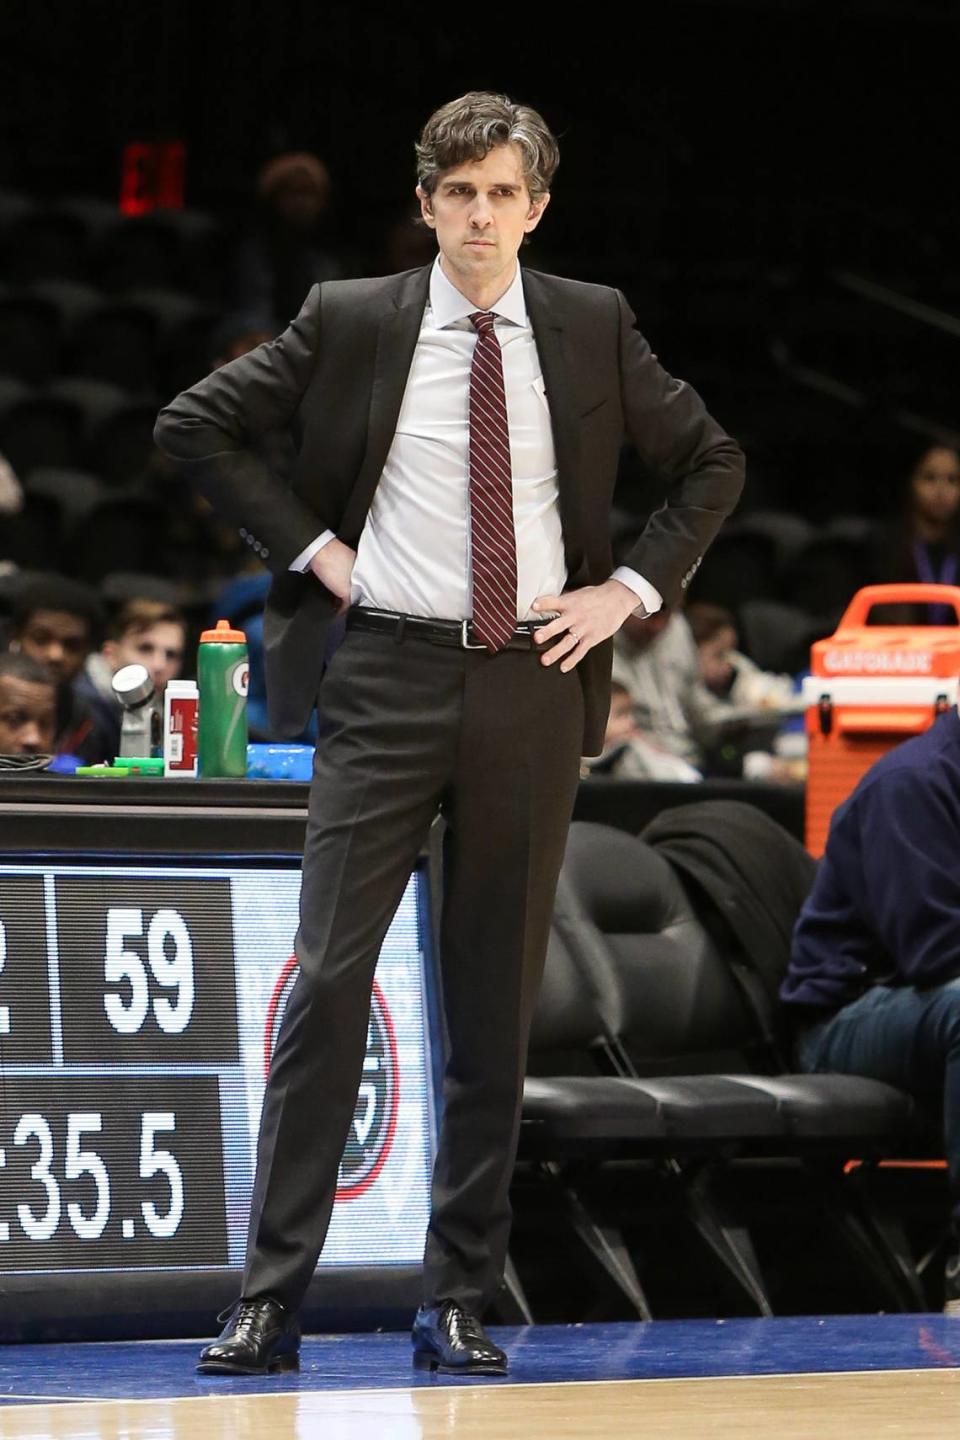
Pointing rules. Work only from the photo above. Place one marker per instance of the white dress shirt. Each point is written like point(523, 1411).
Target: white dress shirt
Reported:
point(414, 551)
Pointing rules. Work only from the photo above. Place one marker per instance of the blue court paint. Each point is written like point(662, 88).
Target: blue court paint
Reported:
point(665, 1349)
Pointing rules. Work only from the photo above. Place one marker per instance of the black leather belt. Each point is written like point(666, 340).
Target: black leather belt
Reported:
point(436, 632)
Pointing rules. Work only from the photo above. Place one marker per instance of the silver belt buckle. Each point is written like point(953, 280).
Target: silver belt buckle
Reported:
point(464, 642)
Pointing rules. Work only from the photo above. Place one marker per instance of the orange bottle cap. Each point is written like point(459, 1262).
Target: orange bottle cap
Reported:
point(224, 633)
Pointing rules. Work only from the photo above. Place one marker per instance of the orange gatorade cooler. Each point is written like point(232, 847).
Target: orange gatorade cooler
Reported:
point(870, 687)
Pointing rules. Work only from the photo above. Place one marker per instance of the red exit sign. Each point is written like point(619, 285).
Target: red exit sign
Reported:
point(152, 177)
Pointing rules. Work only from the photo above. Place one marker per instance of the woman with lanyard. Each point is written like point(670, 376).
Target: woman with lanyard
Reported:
point(925, 544)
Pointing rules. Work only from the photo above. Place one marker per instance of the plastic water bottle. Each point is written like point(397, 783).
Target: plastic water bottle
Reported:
point(223, 673)
point(181, 706)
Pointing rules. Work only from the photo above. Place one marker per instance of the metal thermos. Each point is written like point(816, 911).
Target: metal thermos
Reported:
point(223, 673)
point(141, 726)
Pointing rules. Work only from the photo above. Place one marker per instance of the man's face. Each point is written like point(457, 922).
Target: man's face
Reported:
point(27, 717)
point(481, 211)
point(57, 639)
point(159, 648)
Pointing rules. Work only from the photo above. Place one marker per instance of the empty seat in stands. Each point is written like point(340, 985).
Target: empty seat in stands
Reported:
point(739, 566)
point(97, 399)
point(14, 205)
point(12, 391)
point(32, 538)
point(73, 300)
point(777, 636)
point(123, 531)
point(184, 326)
point(122, 585)
point(121, 446)
point(46, 243)
point(135, 252)
point(788, 532)
point(116, 343)
point(826, 574)
point(41, 429)
point(74, 491)
point(30, 337)
point(97, 216)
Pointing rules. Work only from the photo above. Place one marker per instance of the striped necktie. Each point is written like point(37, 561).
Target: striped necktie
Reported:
point(492, 537)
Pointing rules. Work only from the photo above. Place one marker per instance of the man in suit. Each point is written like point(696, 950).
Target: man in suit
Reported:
point(460, 427)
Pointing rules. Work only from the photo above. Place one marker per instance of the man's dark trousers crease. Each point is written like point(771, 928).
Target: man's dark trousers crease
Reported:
point(493, 743)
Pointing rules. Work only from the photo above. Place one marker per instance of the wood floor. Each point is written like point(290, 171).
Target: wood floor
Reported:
point(919, 1404)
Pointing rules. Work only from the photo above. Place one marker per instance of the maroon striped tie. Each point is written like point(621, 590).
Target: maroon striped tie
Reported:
point(492, 536)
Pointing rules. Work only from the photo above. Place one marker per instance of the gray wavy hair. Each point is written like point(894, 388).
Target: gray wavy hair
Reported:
point(470, 127)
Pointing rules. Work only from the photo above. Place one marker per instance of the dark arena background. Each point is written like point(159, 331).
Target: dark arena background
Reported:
point(705, 1236)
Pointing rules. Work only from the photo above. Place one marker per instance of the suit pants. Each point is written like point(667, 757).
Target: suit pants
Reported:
point(412, 730)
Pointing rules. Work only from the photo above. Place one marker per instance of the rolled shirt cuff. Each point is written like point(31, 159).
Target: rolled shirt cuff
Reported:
point(303, 559)
point(648, 595)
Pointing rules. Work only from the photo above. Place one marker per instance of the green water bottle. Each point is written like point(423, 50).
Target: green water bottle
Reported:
point(223, 673)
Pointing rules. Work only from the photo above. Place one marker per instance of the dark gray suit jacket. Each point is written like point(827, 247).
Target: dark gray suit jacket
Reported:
point(340, 370)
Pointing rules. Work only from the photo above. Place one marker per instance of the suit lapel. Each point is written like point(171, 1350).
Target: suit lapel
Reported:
point(396, 342)
point(556, 362)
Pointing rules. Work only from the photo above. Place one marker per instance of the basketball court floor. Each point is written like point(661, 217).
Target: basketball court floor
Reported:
point(782, 1379)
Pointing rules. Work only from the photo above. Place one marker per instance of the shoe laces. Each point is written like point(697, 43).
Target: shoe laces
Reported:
point(467, 1326)
point(248, 1313)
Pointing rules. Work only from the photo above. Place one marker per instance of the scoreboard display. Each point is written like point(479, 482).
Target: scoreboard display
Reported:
point(139, 1005)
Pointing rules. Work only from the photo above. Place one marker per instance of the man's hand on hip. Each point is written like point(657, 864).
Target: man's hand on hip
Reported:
point(333, 567)
point(586, 617)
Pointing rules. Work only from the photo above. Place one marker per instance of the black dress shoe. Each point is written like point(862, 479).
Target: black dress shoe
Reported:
point(260, 1336)
point(446, 1337)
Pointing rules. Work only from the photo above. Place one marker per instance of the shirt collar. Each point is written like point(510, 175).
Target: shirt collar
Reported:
point(449, 305)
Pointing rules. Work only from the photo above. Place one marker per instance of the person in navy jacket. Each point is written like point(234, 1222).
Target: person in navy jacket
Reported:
point(873, 984)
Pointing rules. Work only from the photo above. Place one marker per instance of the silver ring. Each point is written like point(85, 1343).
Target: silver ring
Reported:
point(574, 635)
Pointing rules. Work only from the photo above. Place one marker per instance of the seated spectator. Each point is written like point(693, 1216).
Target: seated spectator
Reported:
point(28, 707)
point(288, 248)
point(628, 754)
point(655, 660)
point(873, 985)
point(727, 673)
point(923, 544)
point(57, 623)
point(143, 632)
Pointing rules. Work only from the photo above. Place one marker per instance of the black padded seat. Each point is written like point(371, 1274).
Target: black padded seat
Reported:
point(636, 1048)
point(836, 1107)
point(700, 1109)
point(580, 1109)
point(668, 996)
point(563, 1110)
point(662, 987)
